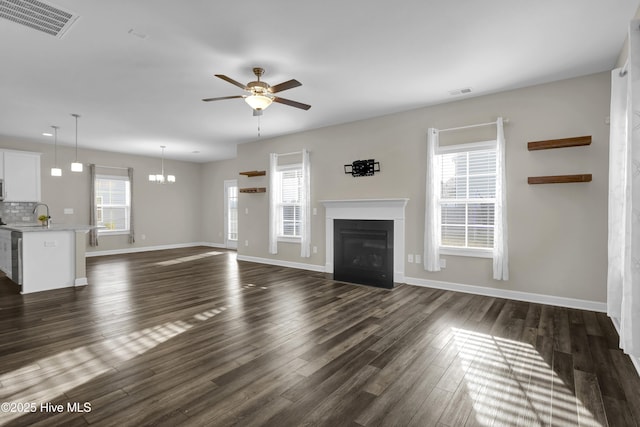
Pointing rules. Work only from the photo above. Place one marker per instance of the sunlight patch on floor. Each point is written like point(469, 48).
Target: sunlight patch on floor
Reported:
point(511, 384)
point(188, 258)
point(50, 377)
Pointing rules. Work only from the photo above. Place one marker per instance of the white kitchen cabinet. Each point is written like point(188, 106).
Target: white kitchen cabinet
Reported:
point(21, 176)
point(48, 260)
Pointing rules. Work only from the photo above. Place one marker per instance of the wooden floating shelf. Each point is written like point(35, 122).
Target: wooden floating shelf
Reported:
point(254, 173)
point(559, 179)
point(253, 190)
point(559, 143)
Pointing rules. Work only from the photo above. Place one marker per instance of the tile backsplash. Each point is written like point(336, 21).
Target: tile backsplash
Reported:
point(14, 212)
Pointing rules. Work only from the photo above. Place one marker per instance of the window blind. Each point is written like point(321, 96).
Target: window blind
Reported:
point(467, 199)
point(290, 211)
point(112, 203)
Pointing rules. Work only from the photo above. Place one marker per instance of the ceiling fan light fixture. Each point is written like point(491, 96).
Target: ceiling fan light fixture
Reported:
point(258, 102)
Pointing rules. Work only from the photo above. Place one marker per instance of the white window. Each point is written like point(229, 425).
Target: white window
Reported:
point(467, 198)
point(113, 204)
point(232, 212)
point(289, 209)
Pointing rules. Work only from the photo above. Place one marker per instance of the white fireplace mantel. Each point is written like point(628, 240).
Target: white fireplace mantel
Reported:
point(384, 209)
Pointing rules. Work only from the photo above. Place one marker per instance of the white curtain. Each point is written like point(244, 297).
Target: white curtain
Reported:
point(500, 246)
point(623, 277)
point(132, 229)
point(274, 197)
point(305, 207)
point(432, 207)
point(93, 233)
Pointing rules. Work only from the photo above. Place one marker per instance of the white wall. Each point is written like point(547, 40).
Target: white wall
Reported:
point(557, 232)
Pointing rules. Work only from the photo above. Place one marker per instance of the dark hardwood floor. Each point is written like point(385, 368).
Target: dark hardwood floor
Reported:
point(193, 337)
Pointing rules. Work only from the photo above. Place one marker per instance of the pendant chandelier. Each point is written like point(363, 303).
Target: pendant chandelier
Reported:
point(161, 178)
point(76, 166)
point(55, 170)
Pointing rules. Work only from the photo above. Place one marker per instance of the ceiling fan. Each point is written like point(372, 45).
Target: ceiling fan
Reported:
point(261, 93)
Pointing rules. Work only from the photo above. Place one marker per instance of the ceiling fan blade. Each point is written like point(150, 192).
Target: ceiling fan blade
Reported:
point(291, 103)
point(284, 86)
point(230, 80)
point(222, 97)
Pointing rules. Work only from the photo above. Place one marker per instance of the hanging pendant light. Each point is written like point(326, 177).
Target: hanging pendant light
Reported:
point(55, 170)
point(76, 166)
point(161, 178)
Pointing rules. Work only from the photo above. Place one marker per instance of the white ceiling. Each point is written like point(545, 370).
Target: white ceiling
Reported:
point(356, 59)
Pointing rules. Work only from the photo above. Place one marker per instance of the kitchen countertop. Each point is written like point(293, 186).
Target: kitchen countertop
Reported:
point(34, 227)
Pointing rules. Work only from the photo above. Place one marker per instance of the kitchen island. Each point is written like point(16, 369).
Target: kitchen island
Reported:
point(42, 258)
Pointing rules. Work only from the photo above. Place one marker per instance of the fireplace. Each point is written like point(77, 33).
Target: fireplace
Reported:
point(363, 252)
point(388, 210)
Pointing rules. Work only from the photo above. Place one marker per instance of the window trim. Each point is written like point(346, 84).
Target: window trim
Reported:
point(469, 146)
point(468, 252)
point(282, 237)
point(126, 231)
point(465, 148)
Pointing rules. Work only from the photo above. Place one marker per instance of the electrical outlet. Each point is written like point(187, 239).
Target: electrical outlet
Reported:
point(443, 263)
point(26, 218)
point(418, 259)
point(143, 237)
point(410, 257)
point(246, 243)
point(246, 211)
point(68, 211)
point(315, 211)
point(315, 249)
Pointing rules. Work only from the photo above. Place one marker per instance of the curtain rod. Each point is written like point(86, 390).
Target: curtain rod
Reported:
point(473, 126)
point(111, 167)
point(623, 70)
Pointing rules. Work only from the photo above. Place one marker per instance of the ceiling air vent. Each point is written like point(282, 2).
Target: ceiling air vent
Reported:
point(37, 15)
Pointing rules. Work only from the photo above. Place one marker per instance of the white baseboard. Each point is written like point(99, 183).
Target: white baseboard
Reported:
point(153, 248)
point(280, 263)
point(80, 281)
point(514, 295)
point(634, 359)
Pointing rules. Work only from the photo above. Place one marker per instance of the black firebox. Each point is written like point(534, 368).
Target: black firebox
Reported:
point(363, 252)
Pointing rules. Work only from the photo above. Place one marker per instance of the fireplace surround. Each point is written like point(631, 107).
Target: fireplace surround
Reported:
point(368, 209)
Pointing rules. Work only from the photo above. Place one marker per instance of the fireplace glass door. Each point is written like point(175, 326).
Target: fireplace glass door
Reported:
point(363, 252)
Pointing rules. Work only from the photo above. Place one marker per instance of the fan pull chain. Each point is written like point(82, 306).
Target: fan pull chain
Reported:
point(258, 126)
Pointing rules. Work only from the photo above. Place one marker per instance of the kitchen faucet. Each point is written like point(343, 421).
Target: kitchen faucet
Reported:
point(46, 206)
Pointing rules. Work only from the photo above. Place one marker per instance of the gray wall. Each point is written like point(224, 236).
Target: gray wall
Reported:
point(213, 176)
point(163, 214)
point(557, 233)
